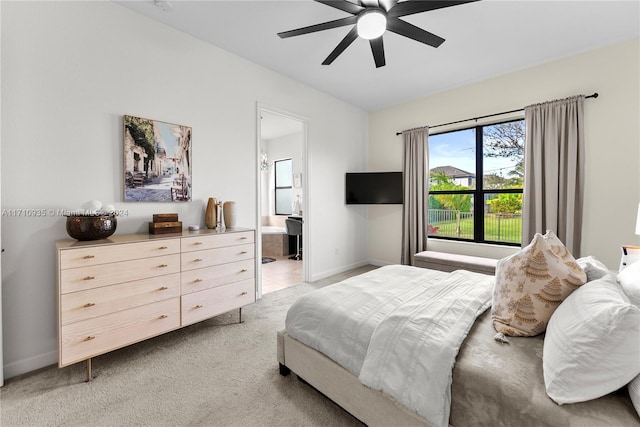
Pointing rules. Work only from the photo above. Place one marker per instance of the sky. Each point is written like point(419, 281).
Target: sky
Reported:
point(170, 140)
point(458, 149)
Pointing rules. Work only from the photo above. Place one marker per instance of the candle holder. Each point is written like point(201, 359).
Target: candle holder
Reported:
point(220, 214)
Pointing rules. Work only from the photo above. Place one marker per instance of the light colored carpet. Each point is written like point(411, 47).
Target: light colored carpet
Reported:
point(214, 373)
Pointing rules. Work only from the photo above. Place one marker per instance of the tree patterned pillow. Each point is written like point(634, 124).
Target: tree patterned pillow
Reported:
point(531, 284)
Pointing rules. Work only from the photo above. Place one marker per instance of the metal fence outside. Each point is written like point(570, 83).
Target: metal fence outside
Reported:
point(497, 227)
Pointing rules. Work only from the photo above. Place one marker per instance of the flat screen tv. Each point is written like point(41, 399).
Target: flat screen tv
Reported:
point(373, 188)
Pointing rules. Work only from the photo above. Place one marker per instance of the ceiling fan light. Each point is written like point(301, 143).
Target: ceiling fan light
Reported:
point(371, 24)
point(163, 5)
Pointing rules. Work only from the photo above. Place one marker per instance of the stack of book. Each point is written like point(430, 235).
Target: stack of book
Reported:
point(165, 223)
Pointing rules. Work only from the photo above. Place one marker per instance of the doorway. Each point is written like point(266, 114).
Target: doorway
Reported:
point(282, 194)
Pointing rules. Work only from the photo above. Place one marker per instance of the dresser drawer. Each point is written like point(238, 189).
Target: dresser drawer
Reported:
point(209, 257)
point(218, 275)
point(82, 278)
point(95, 255)
point(81, 340)
point(76, 306)
point(202, 305)
point(197, 243)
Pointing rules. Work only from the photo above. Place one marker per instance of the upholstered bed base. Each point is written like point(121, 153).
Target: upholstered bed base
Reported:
point(369, 406)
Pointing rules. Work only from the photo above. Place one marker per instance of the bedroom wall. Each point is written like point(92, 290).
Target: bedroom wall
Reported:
point(612, 184)
point(70, 70)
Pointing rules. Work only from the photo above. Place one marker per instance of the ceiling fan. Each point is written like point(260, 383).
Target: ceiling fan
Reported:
point(372, 18)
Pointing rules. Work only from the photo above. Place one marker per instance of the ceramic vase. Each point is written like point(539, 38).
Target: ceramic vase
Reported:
point(211, 215)
point(229, 209)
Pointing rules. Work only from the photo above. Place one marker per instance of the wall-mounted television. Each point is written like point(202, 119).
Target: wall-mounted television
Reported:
point(373, 188)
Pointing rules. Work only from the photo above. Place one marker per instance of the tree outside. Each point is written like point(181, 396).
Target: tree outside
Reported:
point(456, 202)
point(506, 141)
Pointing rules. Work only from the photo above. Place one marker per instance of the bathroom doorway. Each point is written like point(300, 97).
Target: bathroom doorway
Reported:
point(282, 194)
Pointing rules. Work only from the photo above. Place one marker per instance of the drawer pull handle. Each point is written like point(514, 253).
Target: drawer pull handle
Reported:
point(242, 293)
point(197, 260)
point(243, 252)
point(163, 288)
point(197, 243)
point(198, 306)
point(89, 304)
point(162, 247)
point(163, 266)
point(89, 278)
point(243, 238)
point(197, 281)
point(89, 338)
point(89, 256)
point(244, 270)
point(163, 316)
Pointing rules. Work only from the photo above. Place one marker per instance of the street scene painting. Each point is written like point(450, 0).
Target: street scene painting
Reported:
point(157, 161)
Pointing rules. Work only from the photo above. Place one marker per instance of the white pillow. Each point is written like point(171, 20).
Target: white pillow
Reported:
point(593, 268)
point(592, 345)
point(629, 280)
point(634, 393)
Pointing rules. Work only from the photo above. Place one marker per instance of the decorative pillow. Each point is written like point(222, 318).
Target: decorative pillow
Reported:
point(629, 280)
point(593, 268)
point(531, 284)
point(592, 345)
point(634, 393)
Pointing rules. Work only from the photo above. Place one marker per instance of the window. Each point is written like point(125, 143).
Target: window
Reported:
point(283, 177)
point(483, 163)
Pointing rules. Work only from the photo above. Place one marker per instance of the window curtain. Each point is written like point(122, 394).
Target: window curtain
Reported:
point(415, 166)
point(554, 171)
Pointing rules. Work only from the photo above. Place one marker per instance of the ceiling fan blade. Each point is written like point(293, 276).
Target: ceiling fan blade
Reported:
point(319, 27)
point(349, 38)
point(387, 4)
point(369, 3)
point(343, 5)
point(377, 48)
point(403, 28)
point(410, 7)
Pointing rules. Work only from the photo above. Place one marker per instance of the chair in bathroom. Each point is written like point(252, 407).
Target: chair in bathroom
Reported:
point(294, 228)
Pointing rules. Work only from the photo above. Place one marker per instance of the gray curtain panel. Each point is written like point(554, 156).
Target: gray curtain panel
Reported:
point(415, 167)
point(554, 171)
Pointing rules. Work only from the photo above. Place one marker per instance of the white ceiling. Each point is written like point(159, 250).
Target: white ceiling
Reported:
point(483, 39)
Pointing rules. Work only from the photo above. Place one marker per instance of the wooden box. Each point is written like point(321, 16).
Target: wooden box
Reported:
point(165, 227)
point(165, 217)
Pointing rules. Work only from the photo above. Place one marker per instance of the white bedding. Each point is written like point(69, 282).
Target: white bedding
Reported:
point(397, 328)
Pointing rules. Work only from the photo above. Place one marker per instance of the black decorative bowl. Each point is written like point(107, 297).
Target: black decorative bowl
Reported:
point(91, 227)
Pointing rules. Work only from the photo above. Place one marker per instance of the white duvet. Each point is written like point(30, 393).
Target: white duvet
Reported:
point(397, 328)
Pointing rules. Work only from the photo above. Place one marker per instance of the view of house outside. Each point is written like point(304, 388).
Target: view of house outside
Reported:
point(454, 187)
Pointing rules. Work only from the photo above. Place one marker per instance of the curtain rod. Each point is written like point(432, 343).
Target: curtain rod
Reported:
point(595, 95)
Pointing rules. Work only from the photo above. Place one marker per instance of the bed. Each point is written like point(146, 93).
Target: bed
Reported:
point(486, 384)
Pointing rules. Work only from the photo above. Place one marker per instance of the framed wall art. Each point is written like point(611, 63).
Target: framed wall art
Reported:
point(157, 161)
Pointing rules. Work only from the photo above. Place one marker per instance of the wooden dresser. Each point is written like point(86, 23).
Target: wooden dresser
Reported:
point(122, 290)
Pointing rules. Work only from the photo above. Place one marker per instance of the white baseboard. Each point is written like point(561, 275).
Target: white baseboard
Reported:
point(30, 364)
